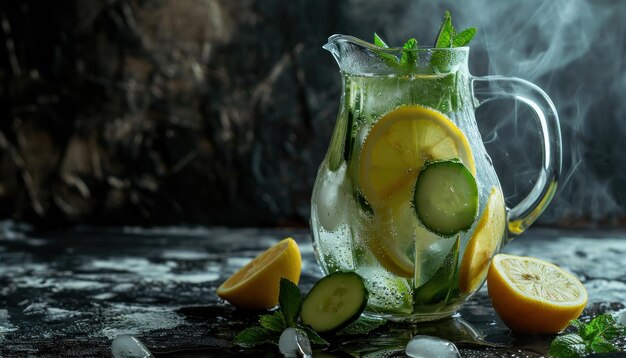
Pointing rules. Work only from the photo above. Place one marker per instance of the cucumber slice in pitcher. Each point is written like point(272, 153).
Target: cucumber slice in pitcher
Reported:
point(446, 197)
point(334, 302)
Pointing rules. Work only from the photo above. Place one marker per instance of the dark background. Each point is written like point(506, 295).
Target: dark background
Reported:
point(218, 112)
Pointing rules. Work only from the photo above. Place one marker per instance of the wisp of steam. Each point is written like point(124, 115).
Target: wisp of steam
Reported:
point(575, 51)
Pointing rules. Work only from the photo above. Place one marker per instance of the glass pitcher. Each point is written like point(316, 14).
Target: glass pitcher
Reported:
point(407, 195)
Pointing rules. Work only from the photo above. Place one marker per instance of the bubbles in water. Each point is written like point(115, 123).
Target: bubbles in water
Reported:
point(431, 347)
point(127, 346)
point(293, 342)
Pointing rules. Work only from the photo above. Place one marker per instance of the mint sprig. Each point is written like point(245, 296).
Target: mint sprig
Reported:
point(289, 301)
point(253, 336)
point(446, 32)
point(449, 38)
point(272, 325)
point(596, 336)
point(445, 98)
point(409, 53)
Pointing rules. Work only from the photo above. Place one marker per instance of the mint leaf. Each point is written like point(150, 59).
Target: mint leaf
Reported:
point(252, 336)
point(379, 42)
point(313, 336)
point(388, 58)
point(568, 346)
point(603, 326)
point(362, 325)
point(290, 301)
point(578, 324)
point(464, 37)
point(446, 32)
point(595, 336)
point(601, 345)
point(409, 53)
point(273, 323)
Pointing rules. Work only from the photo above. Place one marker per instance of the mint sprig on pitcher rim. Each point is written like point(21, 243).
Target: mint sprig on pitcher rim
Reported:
point(446, 38)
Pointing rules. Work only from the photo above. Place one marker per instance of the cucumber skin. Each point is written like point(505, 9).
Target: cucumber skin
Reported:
point(354, 317)
point(414, 201)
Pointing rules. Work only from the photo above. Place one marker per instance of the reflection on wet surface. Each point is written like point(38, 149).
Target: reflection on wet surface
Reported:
point(71, 293)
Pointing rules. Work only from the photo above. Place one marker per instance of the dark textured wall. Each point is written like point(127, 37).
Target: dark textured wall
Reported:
point(219, 112)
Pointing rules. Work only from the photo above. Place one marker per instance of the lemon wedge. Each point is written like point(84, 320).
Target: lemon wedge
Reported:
point(483, 243)
point(256, 285)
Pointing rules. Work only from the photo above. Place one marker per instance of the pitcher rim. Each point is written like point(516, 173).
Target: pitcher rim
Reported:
point(357, 41)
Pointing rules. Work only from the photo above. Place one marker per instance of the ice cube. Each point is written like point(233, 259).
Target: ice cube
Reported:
point(331, 199)
point(621, 317)
point(293, 342)
point(127, 346)
point(430, 347)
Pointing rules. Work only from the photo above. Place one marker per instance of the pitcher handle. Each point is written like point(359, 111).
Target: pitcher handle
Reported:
point(490, 88)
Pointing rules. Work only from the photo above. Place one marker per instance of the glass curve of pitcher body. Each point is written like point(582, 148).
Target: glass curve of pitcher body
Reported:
point(407, 195)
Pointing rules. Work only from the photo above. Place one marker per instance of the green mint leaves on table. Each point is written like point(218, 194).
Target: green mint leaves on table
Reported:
point(290, 302)
point(593, 337)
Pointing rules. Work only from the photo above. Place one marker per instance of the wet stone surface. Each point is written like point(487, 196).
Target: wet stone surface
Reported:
point(71, 293)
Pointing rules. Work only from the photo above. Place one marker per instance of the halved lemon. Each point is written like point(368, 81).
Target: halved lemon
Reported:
point(534, 296)
point(394, 152)
point(256, 285)
point(483, 243)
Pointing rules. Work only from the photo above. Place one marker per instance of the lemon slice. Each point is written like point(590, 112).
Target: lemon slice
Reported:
point(483, 243)
point(534, 296)
point(399, 144)
point(389, 236)
point(256, 285)
point(394, 152)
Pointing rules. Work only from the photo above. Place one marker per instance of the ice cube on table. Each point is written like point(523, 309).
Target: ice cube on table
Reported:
point(430, 347)
point(621, 317)
point(294, 342)
point(127, 346)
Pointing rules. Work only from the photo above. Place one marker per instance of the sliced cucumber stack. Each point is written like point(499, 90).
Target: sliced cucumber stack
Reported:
point(334, 302)
point(446, 197)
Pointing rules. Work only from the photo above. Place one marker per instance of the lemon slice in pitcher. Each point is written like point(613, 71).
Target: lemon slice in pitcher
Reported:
point(394, 152)
point(483, 244)
point(399, 144)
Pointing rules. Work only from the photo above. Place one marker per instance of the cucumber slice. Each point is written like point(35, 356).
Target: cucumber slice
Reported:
point(334, 302)
point(446, 197)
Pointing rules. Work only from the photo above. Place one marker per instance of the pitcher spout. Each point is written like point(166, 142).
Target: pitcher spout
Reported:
point(332, 46)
